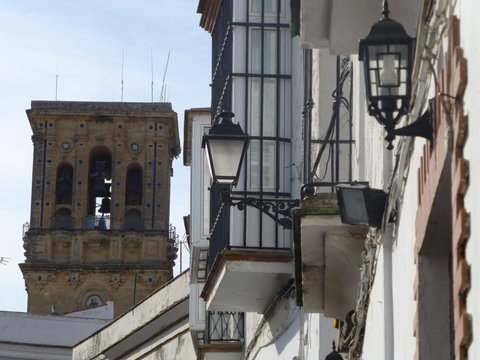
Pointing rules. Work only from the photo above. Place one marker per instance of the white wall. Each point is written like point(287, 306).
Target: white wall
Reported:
point(42, 337)
point(289, 334)
point(468, 13)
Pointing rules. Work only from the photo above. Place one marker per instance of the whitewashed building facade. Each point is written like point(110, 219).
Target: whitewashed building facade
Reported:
point(404, 289)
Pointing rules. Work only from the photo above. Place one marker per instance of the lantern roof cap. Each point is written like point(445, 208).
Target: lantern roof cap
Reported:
point(225, 127)
point(385, 31)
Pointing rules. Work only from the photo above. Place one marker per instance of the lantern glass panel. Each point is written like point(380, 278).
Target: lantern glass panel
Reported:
point(355, 207)
point(388, 70)
point(224, 160)
point(373, 83)
point(388, 66)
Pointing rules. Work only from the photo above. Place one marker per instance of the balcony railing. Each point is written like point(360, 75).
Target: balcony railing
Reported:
point(329, 144)
point(133, 223)
point(224, 326)
point(97, 222)
point(25, 229)
point(63, 222)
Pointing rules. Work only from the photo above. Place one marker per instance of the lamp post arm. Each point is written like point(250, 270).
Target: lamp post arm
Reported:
point(279, 210)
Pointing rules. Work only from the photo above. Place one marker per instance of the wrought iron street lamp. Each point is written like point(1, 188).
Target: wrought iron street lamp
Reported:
point(225, 147)
point(387, 54)
point(361, 205)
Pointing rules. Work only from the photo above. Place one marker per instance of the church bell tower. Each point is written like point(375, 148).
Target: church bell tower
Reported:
point(99, 224)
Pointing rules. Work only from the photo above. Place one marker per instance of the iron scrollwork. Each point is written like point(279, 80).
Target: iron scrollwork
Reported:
point(279, 210)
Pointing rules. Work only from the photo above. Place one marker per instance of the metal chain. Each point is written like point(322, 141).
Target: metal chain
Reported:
point(220, 100)
point(217, 65)
point(216, 221)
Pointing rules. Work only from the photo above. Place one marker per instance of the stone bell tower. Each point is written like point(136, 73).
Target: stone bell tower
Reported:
point(99, 225)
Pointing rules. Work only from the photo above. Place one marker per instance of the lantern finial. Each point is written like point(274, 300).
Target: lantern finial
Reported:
point(386, 10)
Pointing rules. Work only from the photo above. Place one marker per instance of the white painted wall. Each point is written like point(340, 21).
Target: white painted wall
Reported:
point(157, 325)
point(43, 337)
point(296, 166)
point(468, 12)
point(290, 334)
point(46, 329)
point(104, 312)
point(199, 193)
point(392, 307)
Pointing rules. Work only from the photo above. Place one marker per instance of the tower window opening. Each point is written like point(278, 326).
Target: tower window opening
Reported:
point(133, 220)
point(63, 192)
point(99, 194)
point(133, 188)
point(63, 219)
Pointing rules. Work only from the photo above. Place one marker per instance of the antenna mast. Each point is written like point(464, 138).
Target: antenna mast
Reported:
point(123, 60)
point(56, 83)
point(151, 64)
point(163, 93)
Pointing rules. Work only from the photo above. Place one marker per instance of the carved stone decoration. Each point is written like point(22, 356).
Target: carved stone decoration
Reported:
point(96, 244)
point(116, 280)
point(149, 279)
point(61, 244)
point(131, 244)
point(40, 278)
point(74, 279)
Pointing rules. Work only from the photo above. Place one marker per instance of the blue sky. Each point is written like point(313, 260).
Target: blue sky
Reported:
point(83, 42)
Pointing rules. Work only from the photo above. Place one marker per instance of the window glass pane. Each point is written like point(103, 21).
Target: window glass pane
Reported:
point(270, 52)
point(266, 162)
point(254, 164)
point(205, 198)
point(269, 107)
point(256, 51)
point(255, 101)
point(270, 6)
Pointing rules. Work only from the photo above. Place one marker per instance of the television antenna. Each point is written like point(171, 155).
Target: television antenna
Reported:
point(163, 92)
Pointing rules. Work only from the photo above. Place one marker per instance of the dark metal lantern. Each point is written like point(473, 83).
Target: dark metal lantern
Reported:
point(387, 55)
point(225, 146)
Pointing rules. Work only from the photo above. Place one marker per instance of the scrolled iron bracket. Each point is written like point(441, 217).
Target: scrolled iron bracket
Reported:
point(279, 210)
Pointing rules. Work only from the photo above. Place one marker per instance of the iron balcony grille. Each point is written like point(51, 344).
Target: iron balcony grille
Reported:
point(133, 223)
point(97, 222)
point(63, 222)
point(25, 229)
point(329, 146)
point(224, 326)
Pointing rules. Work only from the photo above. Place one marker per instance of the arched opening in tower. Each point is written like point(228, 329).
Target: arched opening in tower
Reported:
point(99, 185)
point(133, 188)
point(63, 190)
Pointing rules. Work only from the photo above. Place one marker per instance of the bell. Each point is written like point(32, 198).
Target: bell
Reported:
point(105, 207)
point(100, 188)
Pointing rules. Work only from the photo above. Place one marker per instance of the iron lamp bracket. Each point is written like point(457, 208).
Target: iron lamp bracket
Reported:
point(279, 210)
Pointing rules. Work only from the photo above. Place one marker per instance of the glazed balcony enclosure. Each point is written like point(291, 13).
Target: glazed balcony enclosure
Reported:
point(247, 263)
